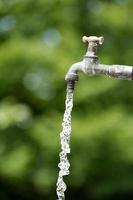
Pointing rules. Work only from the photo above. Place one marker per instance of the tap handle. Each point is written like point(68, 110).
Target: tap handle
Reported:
point(93, 42)
point(93, 39)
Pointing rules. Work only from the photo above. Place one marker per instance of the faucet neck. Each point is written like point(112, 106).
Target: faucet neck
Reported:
point(93, 42)
point(92, 50)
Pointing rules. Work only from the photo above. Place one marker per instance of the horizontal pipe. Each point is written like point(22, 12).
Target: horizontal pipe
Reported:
point(91, 67)
point(116, 71)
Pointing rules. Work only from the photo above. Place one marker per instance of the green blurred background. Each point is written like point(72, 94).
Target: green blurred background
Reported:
point(39, 40)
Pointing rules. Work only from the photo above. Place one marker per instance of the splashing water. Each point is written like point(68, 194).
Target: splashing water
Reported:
point(65, 148)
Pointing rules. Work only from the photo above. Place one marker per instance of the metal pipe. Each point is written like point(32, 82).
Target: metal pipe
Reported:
point(72, 75)
point(91, 66)
point(117, 71)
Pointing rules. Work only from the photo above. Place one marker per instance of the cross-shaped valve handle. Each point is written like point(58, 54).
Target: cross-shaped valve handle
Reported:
point(93, 39)
point(93, 42)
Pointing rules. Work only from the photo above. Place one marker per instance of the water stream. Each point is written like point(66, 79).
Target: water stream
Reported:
point(65, 146)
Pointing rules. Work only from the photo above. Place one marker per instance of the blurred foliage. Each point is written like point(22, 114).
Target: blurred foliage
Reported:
point(39, 40)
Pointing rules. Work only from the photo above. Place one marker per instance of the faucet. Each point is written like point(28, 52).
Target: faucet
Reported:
point(91, 66)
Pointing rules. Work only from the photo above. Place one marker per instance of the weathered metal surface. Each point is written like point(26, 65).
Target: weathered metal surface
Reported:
point(91, 66)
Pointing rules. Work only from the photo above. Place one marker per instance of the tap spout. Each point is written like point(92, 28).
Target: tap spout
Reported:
point(72, 74)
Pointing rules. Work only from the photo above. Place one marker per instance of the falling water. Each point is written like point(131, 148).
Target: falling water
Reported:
point(65, 148)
